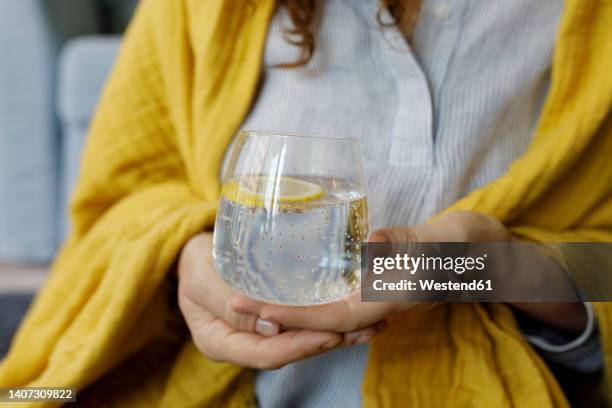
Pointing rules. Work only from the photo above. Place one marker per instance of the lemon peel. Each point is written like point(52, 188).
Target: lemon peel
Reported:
point(256, 191)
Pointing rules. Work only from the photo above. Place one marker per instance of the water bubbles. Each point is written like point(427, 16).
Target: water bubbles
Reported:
point(301, 255)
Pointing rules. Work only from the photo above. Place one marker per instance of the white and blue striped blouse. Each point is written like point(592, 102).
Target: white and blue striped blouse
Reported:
point(436, 117)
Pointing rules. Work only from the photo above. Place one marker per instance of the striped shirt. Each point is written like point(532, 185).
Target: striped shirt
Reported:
point(436, 117)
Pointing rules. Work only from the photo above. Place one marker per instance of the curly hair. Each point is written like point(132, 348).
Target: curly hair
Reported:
point(302, 12)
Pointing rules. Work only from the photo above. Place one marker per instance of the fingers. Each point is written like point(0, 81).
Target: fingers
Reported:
point(364, 335)
point(455, 226)
point(241, 304)
point(346, 315)
point(404, 234)
point(249, 322)
point(229, 327)
point(245, 322)
point(417, 233)
point(267, 328)
point(274, 352)
point(200, 283)
point(217, 340)
point(444, 229)
point(358, 335)
point(355, 333)
point(198, 279)
point(243, 314)
point(220, 342)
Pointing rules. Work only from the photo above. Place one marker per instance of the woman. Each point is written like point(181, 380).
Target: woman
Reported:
point(441, 117)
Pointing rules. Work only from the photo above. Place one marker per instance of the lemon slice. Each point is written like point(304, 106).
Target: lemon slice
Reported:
point(255, 191)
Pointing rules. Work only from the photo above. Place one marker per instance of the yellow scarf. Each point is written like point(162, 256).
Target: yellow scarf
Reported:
point(183, 83)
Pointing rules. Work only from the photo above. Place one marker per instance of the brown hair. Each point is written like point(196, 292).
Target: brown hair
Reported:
point(301, 12)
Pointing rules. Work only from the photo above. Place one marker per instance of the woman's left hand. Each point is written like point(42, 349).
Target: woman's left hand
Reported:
point(351, 314)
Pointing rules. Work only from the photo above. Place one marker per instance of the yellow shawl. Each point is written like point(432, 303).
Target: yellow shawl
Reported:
point(183, 83)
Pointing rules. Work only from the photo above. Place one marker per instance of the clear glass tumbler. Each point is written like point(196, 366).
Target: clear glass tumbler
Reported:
point(291, 218)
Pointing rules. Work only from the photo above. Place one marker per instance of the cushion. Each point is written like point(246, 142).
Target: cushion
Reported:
point(84, 66)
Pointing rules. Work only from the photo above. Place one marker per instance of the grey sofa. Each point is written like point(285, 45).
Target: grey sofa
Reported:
point(54, 58)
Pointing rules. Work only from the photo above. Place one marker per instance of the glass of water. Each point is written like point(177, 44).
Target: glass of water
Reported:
point(291, 219)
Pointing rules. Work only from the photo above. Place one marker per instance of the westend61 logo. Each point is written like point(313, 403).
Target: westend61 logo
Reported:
point(401, 268)
point(485, 272)
point(412, 264)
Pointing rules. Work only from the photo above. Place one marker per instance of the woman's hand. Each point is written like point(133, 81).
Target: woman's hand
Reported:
point(351, 314)
point(223, 334)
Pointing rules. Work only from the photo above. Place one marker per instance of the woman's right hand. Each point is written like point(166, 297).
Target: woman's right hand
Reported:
point(222, 334)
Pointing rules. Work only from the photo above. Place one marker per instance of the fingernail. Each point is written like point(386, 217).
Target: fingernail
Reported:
point(266, 328)
point(331, 344)
point(363, 339)
point(379, 236)
point(351, 337)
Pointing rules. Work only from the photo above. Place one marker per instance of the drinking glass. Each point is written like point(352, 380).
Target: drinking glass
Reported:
point(291, 218)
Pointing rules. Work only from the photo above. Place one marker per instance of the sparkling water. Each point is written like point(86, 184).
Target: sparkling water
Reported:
point(298, 253)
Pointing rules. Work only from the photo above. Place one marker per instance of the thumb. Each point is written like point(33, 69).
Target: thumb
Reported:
point(447, 228)
point(246, 321)
point(397, 234)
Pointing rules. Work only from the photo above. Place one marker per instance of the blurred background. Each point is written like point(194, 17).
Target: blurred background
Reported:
point(55, 56)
